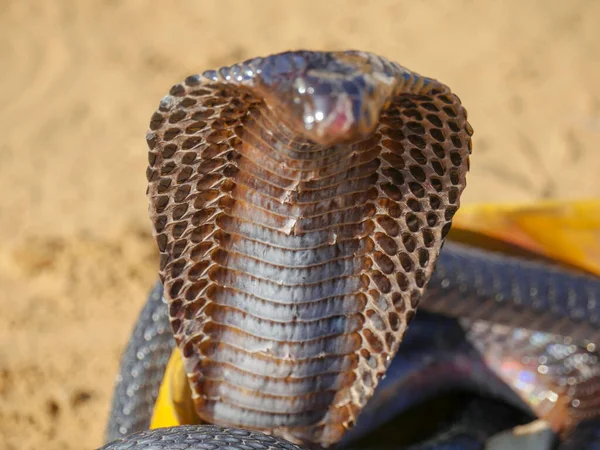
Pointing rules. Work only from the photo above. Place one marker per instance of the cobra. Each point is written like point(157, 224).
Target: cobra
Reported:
point(299, 204)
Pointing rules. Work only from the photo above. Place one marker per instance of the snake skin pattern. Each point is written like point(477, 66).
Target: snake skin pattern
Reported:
point(436, 356)
point(477, 421)
point(299, 203)
point(481, 285)
point(205, 437)
point(142, 368)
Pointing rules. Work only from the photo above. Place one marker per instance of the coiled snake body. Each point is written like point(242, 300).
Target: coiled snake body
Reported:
point(299, 203)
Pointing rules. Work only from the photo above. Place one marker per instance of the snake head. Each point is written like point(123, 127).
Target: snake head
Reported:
point(328, 98)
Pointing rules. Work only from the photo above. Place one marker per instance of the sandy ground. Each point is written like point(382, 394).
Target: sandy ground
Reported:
point(79, 81)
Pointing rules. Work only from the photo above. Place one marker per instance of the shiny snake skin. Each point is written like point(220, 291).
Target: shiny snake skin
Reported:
point(438, 355)
point(299, 204)
point(212, 438)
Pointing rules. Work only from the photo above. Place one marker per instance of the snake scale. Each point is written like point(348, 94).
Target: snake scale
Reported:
point(299, 203)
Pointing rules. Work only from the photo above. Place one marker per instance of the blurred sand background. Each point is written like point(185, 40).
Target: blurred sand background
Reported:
point(79, 81)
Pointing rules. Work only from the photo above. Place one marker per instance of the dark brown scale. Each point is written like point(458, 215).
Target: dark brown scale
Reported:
point(179, 228)
point(268, 231)
point(178, 248)
point(192, 142)
point(167, 168)
point(409, 242)
point(438, 167)
point(373, 341)
point(156, 121)
point(434, 120)
point(179, 211)
point(396, 147)
point(386, 243)
point(168, 151)
point(181, 193)
point(184, 174)
point(389, 225)
point(418, 156)
point(390, 340)
point(423, 257)
point(412, 222)
point(438, 135)
point(381, 281)
point(178, 116)
point(403, 281)
point(406, 262)
point(418, 173)
point(163, 185)
point(174, 290)
point(385, 263)
point(171, 133)
point(439, 150)
point(420, 278)
point(413, 204)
